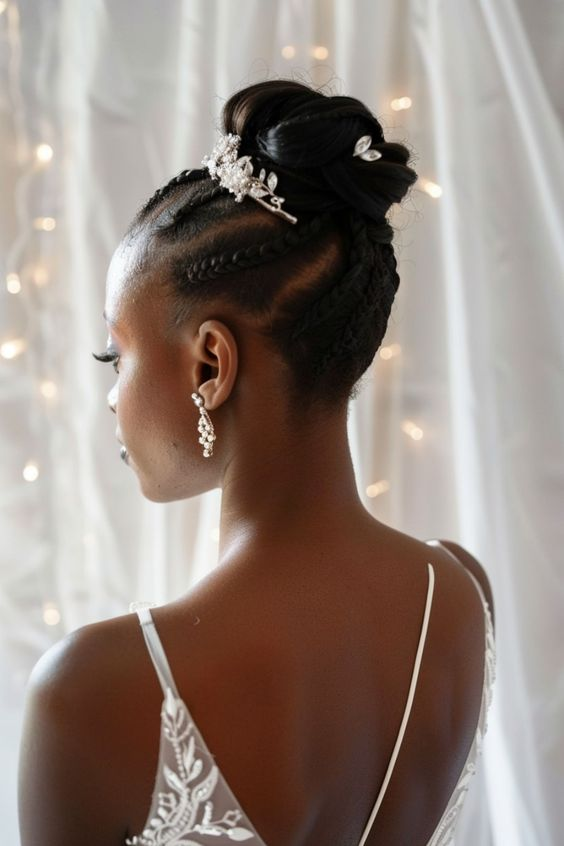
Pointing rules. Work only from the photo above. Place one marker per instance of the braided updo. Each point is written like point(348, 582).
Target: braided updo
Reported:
point(320, 290)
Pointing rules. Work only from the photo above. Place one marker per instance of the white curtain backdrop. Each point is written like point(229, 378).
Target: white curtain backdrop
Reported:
point(127, 93)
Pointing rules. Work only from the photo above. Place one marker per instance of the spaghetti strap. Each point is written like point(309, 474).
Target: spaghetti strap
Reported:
point(410, 696)
point(155, 646)
point(472, 576)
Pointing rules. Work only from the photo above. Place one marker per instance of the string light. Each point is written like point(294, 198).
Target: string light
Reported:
point(400, 103)
point(411, 429)
point(319, 52)
point(44, 152)
point(40, 275)
point(429, 187)
point(45, 223)
point(288, 51)
point(390, 351)
point(10, 349)
point(51, 614)
point(39, 156)
point(48, 389)
point(30, 472)
point(13, 284)
point(378, 488)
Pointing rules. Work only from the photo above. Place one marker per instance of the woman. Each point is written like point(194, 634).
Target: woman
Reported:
point(336, 670)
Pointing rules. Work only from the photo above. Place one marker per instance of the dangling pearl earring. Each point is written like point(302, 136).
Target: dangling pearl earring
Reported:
point(205, 426)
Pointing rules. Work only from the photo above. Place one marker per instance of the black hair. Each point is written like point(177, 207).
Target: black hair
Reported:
point(321, 289)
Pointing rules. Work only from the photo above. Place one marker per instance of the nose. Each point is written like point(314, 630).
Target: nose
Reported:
point(112, 398)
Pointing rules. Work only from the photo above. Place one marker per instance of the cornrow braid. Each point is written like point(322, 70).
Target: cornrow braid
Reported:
point(331, 301)
point(175, 223)
point(184, 177)
point(210, 267)
point(390, 261)
point(361, 322)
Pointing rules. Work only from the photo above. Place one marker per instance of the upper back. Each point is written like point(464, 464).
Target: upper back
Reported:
point(297, 678)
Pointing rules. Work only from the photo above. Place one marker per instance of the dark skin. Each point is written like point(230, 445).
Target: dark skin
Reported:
point(294, 654)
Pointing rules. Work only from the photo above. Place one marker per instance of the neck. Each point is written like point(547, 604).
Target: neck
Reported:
point(282, 489)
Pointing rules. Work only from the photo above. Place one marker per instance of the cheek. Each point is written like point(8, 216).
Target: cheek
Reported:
point(154, 420)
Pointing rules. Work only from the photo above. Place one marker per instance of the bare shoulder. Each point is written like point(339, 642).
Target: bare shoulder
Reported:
point(470, 563)
point(59, 674)
point(83, 679)
point(67, 740)
point(72, 666)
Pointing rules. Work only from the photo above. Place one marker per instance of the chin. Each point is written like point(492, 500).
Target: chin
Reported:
point(175, 489)
point(156, 495)
point(160, 493)
point(153, 498)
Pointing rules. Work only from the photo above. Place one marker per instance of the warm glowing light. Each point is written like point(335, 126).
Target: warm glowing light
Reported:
point(288, 51)
point(48, 388)
point(30, 472)
point(13, 283)
point(51, 614)
point(47, 224)
point(411, 429)
point(214, 534)
point(40, 275)
point(378, 488)
point(3, 6)
point(390, 351)
point(400, 103)
point(319, 52)
point(44, 152)
point(430, 188)
point(10, 349)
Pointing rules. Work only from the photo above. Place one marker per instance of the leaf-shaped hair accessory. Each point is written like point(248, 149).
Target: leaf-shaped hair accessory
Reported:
point(361, 149)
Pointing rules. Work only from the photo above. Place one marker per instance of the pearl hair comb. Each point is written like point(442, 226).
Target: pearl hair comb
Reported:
point(236, 173)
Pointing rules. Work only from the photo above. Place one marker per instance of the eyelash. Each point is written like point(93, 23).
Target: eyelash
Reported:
point(108, 356)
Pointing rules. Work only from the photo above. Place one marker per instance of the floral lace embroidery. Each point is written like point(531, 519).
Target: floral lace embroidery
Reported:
point(444, 832)
point(180, 813)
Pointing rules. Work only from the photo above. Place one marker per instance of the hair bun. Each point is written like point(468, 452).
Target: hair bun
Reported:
point(311, 138)
point(315, 140)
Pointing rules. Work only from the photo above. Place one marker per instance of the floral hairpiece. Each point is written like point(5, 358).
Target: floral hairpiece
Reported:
point(236, 173)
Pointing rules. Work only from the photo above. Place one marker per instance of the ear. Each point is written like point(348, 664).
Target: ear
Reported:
point(216, 362)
